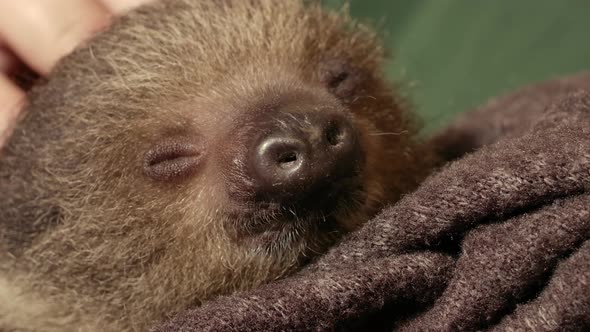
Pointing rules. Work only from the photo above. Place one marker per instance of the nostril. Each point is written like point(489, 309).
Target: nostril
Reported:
point(335, 133)
point(280, 152)
point(287, 159)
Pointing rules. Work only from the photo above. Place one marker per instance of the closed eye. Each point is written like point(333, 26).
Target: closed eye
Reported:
point(338, 79)
point(172, 159)
point(341, 78)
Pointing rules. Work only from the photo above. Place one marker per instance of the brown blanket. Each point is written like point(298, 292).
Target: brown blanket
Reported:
point(498, 239)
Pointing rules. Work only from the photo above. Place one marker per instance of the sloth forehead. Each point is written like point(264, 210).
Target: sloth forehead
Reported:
point(197, 46)
point(195, 39)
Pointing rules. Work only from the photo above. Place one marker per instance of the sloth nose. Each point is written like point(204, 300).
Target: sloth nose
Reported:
point(303, 155)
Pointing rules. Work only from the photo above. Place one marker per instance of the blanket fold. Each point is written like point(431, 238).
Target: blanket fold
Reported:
point(498, 239)
point(336, 297)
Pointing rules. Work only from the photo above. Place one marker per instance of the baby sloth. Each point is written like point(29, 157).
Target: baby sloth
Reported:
point(196, 148)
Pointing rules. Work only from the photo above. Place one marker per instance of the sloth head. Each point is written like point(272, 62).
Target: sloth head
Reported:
point(202, 147)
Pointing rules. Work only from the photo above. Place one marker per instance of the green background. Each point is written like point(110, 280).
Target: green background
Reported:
point(454, 54)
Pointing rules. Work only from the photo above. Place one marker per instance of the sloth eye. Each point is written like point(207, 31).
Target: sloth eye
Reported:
point(172, 159)
point(341, 78)
point(337, 80)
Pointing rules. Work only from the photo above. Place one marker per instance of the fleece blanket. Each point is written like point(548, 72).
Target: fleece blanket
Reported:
point(498, 239)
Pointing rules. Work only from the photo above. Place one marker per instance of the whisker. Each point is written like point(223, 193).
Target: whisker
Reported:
point(391, 133)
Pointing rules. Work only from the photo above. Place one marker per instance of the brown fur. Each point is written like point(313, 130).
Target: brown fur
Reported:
point(88, 240)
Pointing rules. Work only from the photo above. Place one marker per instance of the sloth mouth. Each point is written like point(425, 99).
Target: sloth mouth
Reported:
point(312, 218)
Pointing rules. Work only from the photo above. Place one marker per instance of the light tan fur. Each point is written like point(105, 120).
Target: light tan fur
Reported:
point(88, 241)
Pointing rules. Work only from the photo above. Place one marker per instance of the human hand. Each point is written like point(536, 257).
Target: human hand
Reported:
point(35, 34)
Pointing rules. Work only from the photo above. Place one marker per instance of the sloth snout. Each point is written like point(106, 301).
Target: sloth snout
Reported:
point(302, 154)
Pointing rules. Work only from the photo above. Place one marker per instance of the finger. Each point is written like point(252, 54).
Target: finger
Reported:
point(7, 61)
point(11, 100)
point(40, 32)
point(122, 6)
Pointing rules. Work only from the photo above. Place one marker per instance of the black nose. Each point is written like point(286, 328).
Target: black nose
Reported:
point(305, 155)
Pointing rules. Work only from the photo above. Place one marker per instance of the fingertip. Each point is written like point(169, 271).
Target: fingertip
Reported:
point(41, 32)
point(12, 100)
point(119, 7)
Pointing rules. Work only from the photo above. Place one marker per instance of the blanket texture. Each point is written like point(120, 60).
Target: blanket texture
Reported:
point(498, 239)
